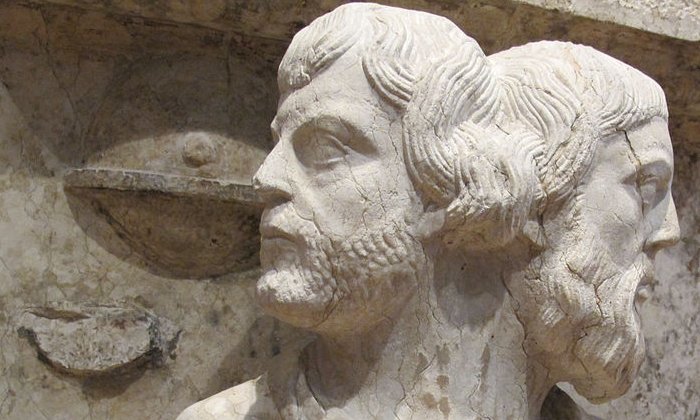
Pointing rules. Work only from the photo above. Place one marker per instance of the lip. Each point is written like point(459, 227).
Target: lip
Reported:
point(644, 289)
point(643, 294)
point(269, 231)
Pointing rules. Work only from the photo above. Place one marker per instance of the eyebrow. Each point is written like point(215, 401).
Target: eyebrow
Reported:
point(349, 134)
point(330, 123)
point(322, 120)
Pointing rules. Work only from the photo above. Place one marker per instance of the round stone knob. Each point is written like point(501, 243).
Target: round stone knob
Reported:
point(198, 150)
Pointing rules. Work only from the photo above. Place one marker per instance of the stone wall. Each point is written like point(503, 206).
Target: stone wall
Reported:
point(131, 85)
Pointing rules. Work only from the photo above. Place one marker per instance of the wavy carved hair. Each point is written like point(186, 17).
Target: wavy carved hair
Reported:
point(565, 97)
point(573, 96)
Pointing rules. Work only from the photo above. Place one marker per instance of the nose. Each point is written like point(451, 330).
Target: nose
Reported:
point(270, 182)
point(667, 234)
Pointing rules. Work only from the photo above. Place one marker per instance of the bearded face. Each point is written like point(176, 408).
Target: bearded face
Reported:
point(313, 282)
point(614, 349)
point(578, 302)
point(337, 249)
point(586, 326)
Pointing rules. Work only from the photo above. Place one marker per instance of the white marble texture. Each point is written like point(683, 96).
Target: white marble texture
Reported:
point(461, 232)
point(79, 78)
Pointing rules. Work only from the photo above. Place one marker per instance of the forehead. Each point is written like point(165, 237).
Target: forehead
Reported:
point(645, 151)
point(340, 91)
point(651, 142)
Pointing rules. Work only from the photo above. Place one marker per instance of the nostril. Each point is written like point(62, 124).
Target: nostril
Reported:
point(269, 193)
point(272, 200)
point(662, 239)
point(668, 234)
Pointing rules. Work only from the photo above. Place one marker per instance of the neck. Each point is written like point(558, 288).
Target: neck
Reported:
point(454, 349)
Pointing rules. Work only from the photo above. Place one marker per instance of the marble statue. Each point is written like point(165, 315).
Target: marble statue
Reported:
point(461, 232)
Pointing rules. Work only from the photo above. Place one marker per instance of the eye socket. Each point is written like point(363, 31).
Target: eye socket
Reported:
point(319, 149)
point(323, 142)
point(651, 181)
point(650, 187)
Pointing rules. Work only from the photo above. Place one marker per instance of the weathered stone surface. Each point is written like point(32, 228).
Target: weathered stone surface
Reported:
point(497, 24)
point(169, 184)
point(54, 77)
point(669, 381)
point(194, 116)
point(57, 65)
point(679, 19)
point(94, 340)
point(500, 215)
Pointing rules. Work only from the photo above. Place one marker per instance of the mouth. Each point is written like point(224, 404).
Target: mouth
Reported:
point(271, 232)
point(277, 246)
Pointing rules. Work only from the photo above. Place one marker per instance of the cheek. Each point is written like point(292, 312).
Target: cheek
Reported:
point(349, 200)
point(613, 212)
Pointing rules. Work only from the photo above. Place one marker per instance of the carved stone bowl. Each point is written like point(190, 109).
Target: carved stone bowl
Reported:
point(183, 226)
point(88, 340)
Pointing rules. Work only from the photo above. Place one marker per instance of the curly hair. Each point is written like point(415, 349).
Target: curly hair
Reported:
point(572, 96)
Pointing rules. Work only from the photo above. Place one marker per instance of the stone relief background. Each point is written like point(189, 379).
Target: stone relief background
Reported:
point(127, 85)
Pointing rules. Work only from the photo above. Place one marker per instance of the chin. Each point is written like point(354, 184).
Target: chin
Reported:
point(612, 355)
point(336, 289)
point(607, 348)
point(290, 298)
point(611, 378)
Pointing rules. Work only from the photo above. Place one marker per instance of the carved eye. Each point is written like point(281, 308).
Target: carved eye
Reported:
point(320, 150)
point(651, 183)
point(649, 188)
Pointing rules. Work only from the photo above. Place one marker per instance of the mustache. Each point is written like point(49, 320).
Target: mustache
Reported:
point(639, 273)
point(591, 261)
point(282, 222)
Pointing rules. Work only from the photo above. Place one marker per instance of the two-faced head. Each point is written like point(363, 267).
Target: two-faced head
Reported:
point(387, 116)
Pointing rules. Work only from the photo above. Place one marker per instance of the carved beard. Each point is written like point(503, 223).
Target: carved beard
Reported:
point(612, 350)
point(337, 286)
point(590, 312)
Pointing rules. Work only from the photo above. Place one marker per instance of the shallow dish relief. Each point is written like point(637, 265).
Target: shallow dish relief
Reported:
point(181, 226)
point(462, 232)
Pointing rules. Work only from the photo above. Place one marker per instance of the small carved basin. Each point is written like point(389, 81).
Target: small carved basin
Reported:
point(184, 226)
point(93, 340)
